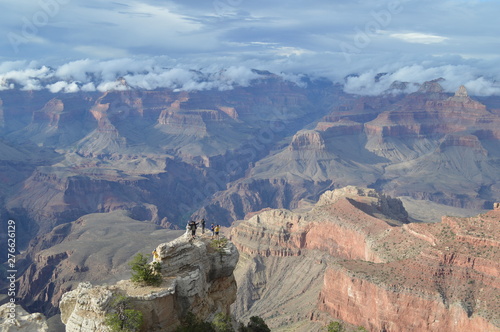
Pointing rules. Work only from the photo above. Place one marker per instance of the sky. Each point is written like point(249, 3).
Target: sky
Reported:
point(73, 45)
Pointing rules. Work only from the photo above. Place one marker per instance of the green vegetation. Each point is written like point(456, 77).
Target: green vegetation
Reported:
point(221, 323)
point(335, 327)
point(143, 272)
point(219, 245)
point(123, 318)
point(256, 324)
point(191, 323)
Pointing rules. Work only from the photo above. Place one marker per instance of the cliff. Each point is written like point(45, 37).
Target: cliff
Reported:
point(196, 278)
point(353, 256)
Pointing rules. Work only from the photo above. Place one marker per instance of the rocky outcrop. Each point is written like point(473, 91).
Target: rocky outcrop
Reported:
point(50, 113)
point(13, 318)
point(307, 140)
point(376, 270)
point(197, 278)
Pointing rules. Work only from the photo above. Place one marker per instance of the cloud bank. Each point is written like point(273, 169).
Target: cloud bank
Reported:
point(120, 74)
point(152, 73)
point(372, 83)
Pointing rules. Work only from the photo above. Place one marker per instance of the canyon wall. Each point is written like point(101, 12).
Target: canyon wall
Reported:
point(375, 269)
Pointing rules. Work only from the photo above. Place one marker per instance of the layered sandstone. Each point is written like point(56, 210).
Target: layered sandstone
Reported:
point(13, 318)
point(307, 140)
point(196, 278)
point(376, 270)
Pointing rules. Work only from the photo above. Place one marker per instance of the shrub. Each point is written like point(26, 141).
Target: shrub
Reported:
point(219, 245)
point(123, 319)
point(257, 324)
point(143, 272)
point(335, 327)
point(222, 323)
point(190, 323)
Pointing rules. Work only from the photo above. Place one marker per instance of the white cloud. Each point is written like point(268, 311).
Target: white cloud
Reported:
point(453, 75)
point(482, 87)
point(62, 86)
point(111, 86)
point(27, 79)
point(89, 87)
point(419, 38)
point(153, 73)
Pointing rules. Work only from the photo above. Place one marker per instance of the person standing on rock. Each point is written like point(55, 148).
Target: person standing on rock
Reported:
point(212, 228)
point(202, 225)
point(217, 230)
point(192, 227)
point(156, 257)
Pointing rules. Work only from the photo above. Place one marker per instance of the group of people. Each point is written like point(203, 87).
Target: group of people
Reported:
point(193, 225)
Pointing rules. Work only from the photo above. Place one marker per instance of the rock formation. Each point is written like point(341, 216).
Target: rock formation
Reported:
point(197, 278)
point(13, 318)
point(354, 256)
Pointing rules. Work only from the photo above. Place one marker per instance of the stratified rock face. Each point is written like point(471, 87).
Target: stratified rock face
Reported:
point(375, 270)
point(196, 278)
point(13, 318)
point(307, 140)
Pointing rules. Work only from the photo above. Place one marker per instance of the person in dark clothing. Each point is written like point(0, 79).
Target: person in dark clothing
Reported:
point(212, 228)
point(203, 226)
point(192, 226)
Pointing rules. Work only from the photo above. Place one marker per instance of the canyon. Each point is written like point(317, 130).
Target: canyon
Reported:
point(84, 173)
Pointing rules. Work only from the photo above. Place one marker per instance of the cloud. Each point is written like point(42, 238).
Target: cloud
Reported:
point(93, 75)
point(163, 72)
point(25, 79)
point(371, 83)
point(418, 38)
point(62, 86)
point(482, 87)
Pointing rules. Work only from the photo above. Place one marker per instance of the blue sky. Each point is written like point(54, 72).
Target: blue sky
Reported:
point(456, 39)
